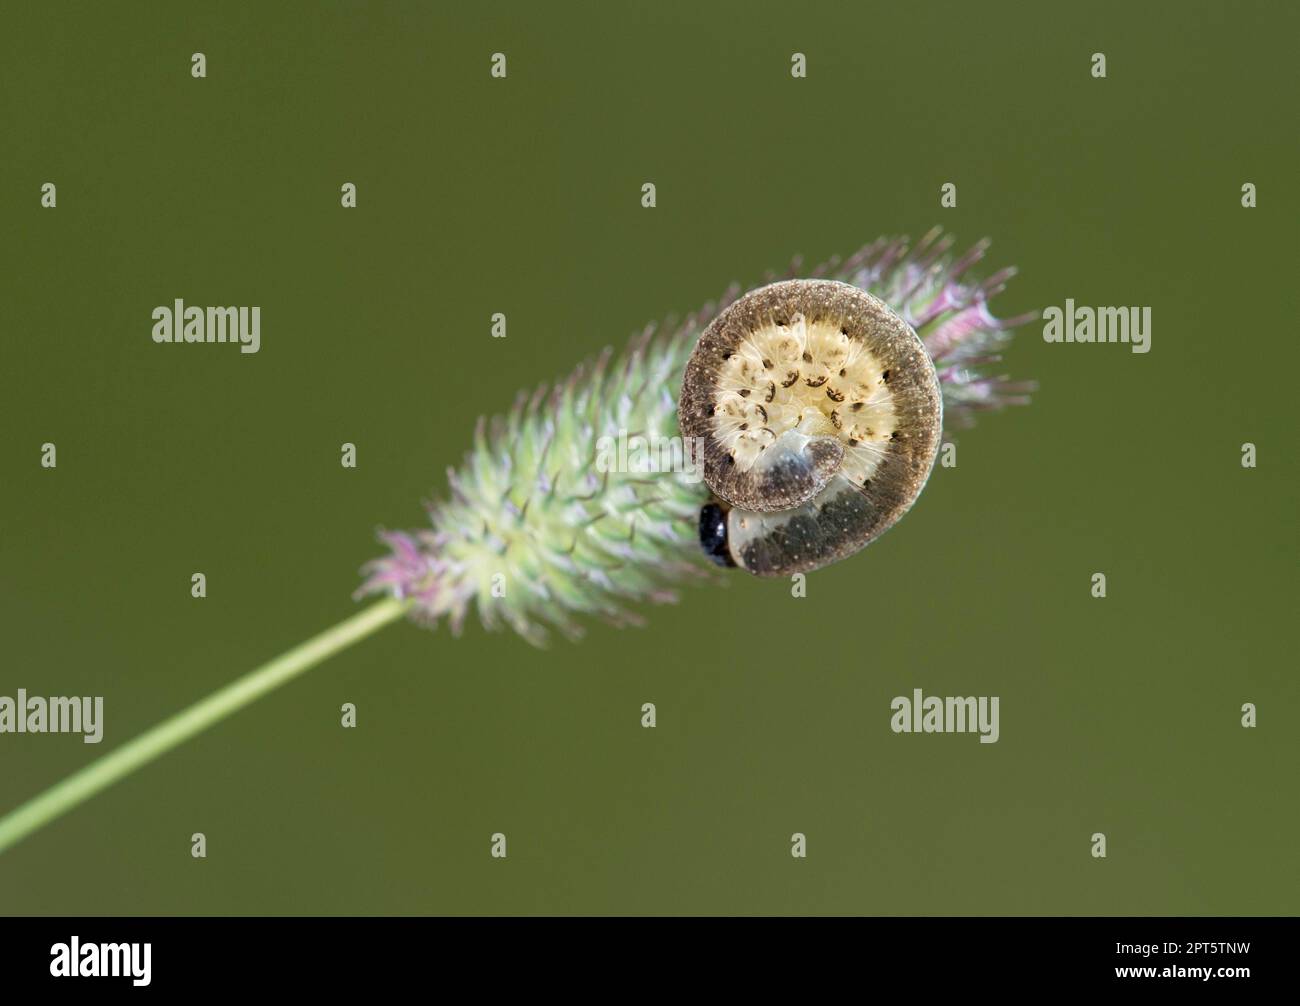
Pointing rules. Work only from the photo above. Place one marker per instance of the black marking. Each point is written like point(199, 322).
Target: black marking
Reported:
point(834, 396)
point(713, 535)
point(817, 383)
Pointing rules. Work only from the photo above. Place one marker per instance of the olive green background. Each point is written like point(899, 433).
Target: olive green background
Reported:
point(522, 195)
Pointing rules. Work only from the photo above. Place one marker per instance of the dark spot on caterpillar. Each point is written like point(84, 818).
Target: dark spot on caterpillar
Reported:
point(835, 420)
point(852, 442)
point(842, 372)
point(790, 378)
point(844, 330)
point(807, 356)
point(834, 396)
point(817, 383)
point(857, 406)
point(744, 392)
point(771, 391)
point(762, 412)
point(731, 459)
point(895, 436)
point(713, 534)
point(885, 377)
point(744, 426)
point(767, 364)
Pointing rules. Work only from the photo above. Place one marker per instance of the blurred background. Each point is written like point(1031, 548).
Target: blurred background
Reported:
point(522, 195)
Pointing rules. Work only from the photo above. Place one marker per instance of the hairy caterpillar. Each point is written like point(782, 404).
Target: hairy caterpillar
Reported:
point(820, 415)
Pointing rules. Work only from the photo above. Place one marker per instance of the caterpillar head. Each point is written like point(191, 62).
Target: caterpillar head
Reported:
point(818, 414)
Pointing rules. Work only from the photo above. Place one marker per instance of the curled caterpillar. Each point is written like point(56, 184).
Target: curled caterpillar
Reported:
point(818, 413)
